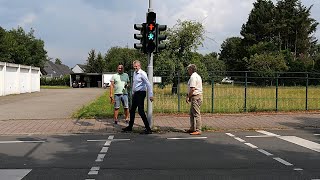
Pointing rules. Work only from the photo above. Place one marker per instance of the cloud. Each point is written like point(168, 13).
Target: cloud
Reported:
point(70, 29)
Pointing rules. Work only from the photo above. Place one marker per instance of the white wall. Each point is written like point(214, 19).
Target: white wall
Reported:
point(16, 79)
point(2, 66)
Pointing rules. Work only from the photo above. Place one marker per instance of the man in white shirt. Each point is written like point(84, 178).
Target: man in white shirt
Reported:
point(140, 85)
point(195, 97)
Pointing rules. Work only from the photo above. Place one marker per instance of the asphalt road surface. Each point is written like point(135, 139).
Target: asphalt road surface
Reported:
point(286, 154)
point(46, 104)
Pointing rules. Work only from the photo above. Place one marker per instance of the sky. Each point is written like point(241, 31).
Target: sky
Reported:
point(71, 28)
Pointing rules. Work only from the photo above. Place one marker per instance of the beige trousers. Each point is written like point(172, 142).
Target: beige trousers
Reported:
point(195, 116)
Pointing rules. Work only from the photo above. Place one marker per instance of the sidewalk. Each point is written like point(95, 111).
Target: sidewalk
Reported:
point(163, 123)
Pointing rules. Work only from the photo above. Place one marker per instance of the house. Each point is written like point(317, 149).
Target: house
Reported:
point(79, 68)
point(52, 70)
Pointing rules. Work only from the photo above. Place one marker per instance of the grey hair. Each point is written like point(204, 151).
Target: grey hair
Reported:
point(192, 67)
point(136, 62)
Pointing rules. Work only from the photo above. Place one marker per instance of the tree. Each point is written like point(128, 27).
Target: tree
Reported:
point(259, 26)
point(17, 46)
point(232, 54)
point(184, 37)
point(213, 65)
point(57, 61)
point(124, 56)
point(267, 64)
point(91, 62)
point(295, 27)
point(100, 64)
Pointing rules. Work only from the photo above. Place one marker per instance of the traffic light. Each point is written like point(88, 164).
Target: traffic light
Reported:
point(160, 37)
point(151, 32)
point(141, 37)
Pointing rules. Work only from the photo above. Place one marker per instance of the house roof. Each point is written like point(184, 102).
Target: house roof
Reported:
point(56, 70)
point(82, 66)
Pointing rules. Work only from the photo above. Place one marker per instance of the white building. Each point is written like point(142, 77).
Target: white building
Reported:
point(16, 79)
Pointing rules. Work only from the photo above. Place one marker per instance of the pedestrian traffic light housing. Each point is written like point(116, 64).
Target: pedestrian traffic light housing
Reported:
point(160, 37)
point(151, 39)
point(141, 37)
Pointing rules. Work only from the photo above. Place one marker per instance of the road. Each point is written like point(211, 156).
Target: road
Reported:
point(285, 154)
point(46, 104)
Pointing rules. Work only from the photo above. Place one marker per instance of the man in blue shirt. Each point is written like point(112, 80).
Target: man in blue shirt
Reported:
point(140, 85)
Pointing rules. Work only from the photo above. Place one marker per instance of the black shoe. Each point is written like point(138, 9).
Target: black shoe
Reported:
point(146, 131)
point(127, 129)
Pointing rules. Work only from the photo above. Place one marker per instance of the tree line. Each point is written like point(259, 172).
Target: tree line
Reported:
point(276, 38)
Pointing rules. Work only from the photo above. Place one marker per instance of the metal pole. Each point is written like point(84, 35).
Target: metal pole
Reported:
point(245, 92)
point(150, 6)
point(178, 86)
point(307, 85)
point(150, 77)
point(277, 91)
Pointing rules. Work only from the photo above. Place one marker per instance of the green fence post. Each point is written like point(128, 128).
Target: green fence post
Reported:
point(178, 92)
point(307, 84)
point(212, 96)
point(245, 93)
point(277, 91)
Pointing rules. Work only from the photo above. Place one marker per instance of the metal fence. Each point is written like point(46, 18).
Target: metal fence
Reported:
point(234, 92)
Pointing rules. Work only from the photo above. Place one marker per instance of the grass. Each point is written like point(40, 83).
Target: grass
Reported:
point(100, 108)
point(54, 87)
point(227, 99)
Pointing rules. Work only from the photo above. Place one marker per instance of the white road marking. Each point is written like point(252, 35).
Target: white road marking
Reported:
point(111, 137)
point(283, 161)
point(188, 138)
point(265, 152)
point(104, 150)
point(229, 134)
point(262, 136)
point(268, 133)
point(239, 139)
point(108, 142)
point(93, 172)
point(302, 142)
point(298, 169)
point(251, 145)
point(10, 142)
point(317, 134)
point(13, 174)
point(89, 179)
point(100, 157)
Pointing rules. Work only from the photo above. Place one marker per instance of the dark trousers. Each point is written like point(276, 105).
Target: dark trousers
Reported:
point(138, 101)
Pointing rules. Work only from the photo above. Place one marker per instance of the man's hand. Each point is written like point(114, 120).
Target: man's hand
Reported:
point(151, 99)
point(111, 100)
point(187, 100)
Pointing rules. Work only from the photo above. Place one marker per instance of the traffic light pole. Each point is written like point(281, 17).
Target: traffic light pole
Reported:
point(150, 77)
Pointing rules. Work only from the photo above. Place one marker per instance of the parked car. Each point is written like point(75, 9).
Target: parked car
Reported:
point(79, 84)
point(227, 80)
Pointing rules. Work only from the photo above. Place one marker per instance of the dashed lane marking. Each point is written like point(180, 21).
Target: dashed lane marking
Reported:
point(239, 139)
point(100, 157)
point(265, 152)
point(104, 150)
point(251, 145)
point(229, 134)
point(283, 161)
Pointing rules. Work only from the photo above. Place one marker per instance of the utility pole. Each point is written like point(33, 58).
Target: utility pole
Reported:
point(150, 76)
